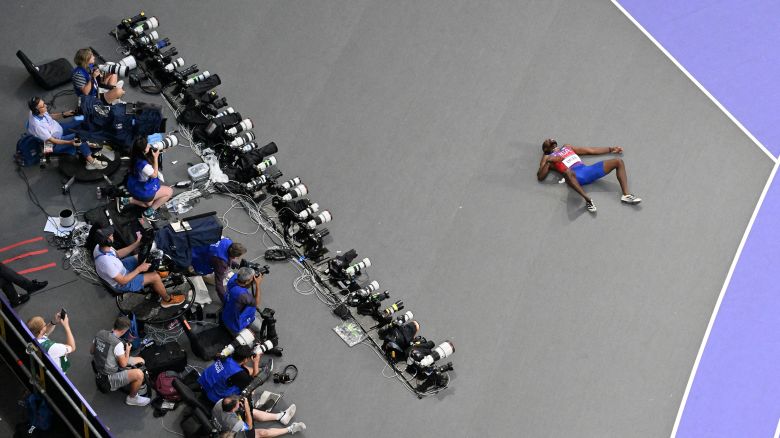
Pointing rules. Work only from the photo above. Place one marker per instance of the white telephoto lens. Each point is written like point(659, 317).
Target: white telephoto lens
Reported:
point(129, 62)
point(297, 191)
point(306, 213)
point(290, 183)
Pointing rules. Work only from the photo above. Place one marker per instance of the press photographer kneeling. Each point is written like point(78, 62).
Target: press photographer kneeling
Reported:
point(122, 271)
point(243, 300)
point(143, 180)
point(217, 259)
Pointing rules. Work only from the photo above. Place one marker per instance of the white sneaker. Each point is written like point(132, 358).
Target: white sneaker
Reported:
point(288, 414)
point(590, 206)
point(96, 165)
point(296, 427)
point(630, 199)
point(119, 84)
point(138, 400)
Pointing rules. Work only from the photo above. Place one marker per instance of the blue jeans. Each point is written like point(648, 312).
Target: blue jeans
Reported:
point(68, 134)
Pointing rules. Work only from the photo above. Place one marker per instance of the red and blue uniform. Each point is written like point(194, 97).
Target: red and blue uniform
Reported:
point(570, 160)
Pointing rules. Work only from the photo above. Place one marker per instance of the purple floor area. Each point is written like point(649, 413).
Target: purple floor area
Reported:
point(729, 47)
point(735, 389)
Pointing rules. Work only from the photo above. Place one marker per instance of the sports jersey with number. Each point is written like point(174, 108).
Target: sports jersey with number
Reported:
point(569, 159)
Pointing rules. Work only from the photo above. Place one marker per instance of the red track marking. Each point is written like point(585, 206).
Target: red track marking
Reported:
point(23, 242)
point(37, 268)
point(27, 254)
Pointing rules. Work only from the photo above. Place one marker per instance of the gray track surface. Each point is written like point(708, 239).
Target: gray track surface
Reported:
point(418, 124)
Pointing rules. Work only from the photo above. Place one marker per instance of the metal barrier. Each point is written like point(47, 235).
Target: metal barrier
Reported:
point(36, 370)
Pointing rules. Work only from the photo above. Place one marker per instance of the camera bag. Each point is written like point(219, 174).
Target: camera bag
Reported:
point(207, 339)
point(169, 356)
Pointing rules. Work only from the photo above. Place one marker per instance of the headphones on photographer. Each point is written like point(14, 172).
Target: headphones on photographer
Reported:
point(285, 376)
point(33, 105)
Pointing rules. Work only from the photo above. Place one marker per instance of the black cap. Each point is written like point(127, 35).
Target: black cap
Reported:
point(103, 235)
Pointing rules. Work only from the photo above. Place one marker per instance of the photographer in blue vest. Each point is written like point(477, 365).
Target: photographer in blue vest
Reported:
point(229, 376)
point(242, 301)
point(217, 258)
point(144, 178)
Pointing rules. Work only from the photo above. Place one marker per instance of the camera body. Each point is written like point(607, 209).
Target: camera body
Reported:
point(257, 267)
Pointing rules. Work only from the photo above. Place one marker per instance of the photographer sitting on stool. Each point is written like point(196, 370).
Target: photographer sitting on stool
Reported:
point(85, 79)
point(231, 411)
point(143, 181)
point(217, 258)
point(241, 303)
point(111, 358)
point(121, 270)
point(42, 125)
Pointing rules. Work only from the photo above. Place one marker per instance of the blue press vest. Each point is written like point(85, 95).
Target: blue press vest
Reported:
point(233, 319)
point(142, 190)
point(83, 72)
point(214, 379)
point(201, 256)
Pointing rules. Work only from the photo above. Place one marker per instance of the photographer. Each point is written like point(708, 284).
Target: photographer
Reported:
point(229, 376)
point(217, 258)
point(45, 128)
point(111, 359)
point(143, 180)
point(122, 271)
point(241, 302)
point(56, 351)
point(231, 411)
point(85, 79)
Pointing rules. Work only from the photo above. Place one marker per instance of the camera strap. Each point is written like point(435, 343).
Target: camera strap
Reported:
point(286, 376)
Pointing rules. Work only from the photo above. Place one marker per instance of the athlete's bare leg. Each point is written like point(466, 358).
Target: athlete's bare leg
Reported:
point(571, 181)
point(617, 163)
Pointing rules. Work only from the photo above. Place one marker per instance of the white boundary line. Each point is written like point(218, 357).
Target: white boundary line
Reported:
point(744, 236)
point(720, 299)
point(701, 87)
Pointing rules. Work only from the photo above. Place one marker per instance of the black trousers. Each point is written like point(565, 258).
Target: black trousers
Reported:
point(9, 277)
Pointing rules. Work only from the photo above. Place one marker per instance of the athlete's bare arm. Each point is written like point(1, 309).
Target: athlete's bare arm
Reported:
point(544, 166)
point(582, 150)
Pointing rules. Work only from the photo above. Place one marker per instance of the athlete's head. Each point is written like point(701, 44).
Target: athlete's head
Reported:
point(549, 145)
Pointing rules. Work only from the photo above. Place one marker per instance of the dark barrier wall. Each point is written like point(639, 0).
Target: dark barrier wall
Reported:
point(38, 373)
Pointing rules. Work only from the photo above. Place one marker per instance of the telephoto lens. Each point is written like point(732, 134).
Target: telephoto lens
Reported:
point(163, 43)
point(398, 305)
point(290, 183)
point(265, 164)
point(242, 139)
point(148, 39)
point(189, 70)
point(313, 208)
point(445, 349)
point(129, 62)
point(296, 192)
point(174, 65)
point(132, 20)
point(167, 56)
point(244, 125)
point(168, 142)
point(228, 110)
point(353, 270)
point(195, 79)
point(364, 292)
point(150, 23)
point(403, 319)
point(257, 182)
point(321, 218)
point(262, 347)
point(247, 147)
point(119, 70)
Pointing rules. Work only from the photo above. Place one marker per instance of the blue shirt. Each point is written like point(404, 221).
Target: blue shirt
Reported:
point(43, 127)
point(80, 77)
point(201, 256)
point(214, 379)
point(239, 310)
